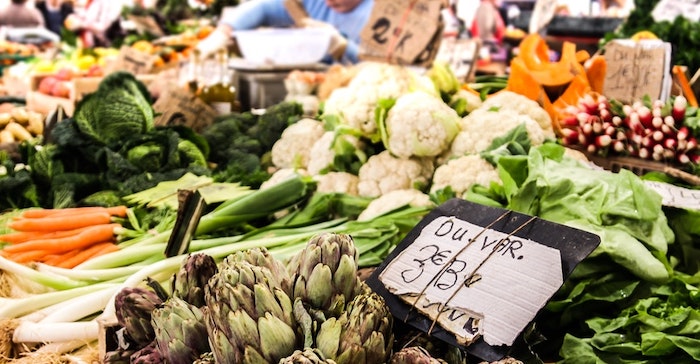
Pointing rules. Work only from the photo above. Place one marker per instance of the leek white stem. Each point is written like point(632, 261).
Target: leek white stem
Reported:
point(46, 279)
point(91, 275)
point(32, 332)
point(15, 307)
point(80, 307)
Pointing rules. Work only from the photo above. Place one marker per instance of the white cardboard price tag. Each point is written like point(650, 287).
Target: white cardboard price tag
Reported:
point(675, 196)
point(668, 10)
point(475, 276)
point(508, 289)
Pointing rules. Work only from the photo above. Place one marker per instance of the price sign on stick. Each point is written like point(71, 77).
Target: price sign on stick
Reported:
point(180, 107)
point(135, 61)
point(404, 32)
point(636, 69)
point(476, 276)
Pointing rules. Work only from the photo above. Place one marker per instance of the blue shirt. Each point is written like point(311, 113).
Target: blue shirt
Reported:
point(272, 13)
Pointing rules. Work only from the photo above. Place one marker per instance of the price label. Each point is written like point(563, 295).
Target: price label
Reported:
point(181, 107)
point(636, 69)
point(669, 10)
point(135, 61)
point(461, 54)
point(542, 13)
point(404, 32)
point(675, 196)
point(475, 276)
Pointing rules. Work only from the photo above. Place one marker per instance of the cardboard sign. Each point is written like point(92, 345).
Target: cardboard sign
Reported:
point(636, 69)
point(476, 276)
point(146, 24)
point(461, 54)
point(178, 106)
point(669, 10)
point(135, 61)
point(675, 196)
point(406, 32)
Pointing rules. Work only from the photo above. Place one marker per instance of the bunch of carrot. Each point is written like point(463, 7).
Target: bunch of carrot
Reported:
point(62, 237)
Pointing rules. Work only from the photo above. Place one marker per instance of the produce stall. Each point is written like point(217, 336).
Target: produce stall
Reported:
point(366, 213)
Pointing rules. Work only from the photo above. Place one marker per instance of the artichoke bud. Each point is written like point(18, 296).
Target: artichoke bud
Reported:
point(119, 356)
point(277, 339)
point(133, 308)
point(261, 257)
point(328, 338)
point(414, 355)
point(307, 356)
point(193, 275)
point(149, 354)
point(181, 334)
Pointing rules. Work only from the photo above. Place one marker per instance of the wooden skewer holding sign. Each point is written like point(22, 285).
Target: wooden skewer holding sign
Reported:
point(445, 267)
point(470, 277)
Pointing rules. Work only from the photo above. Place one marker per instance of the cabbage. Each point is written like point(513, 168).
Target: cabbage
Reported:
point(120, 108)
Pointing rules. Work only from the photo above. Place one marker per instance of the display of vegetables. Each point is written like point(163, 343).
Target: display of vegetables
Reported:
point(19, 124)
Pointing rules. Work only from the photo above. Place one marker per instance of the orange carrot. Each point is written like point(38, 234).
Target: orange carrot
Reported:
point(23, 236)
point(119, 211)
point(56, 258)
point(87, 253)
point(26, 257)
point(85, 238)
point(57, 223)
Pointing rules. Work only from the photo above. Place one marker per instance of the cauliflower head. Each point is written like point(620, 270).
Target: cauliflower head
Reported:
point(384, 173)
point(483, 125)
point(508, 100)
point(465, 101)
point(463, 172)
point(322, 154)
point(337, 182)
point(394, 200)
point(420, 125)
point(293, 148)
point(355, 103)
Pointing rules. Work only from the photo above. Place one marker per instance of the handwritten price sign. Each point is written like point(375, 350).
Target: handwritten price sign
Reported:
point(475, 276)
point(636, 69)
point(675, 196)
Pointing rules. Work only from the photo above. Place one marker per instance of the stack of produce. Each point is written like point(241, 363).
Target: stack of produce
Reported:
point(20, 124)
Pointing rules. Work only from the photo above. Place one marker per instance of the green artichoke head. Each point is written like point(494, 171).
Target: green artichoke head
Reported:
point(181, 335)
point(133, 308)
point(362, 334)
point(414, 355)
point(324, 273)
point(306, 356)
point(249, 318)
point(193, 275)
point(261, 257)
point(149, 354)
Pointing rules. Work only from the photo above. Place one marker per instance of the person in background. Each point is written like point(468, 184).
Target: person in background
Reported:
point(55, 13)
point(488, 25)
point(18, 14)
point(98, 24)
point(344, 18)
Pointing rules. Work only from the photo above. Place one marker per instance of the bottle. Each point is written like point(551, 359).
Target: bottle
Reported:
point(220, 94)
point(193, 82)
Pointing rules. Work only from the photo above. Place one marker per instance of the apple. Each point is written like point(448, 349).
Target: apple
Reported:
point(61, 89)
point(65, 74)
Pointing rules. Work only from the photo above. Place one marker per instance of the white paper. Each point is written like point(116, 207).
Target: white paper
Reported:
point(512, 282)
point(668, 10)
point(675, 196)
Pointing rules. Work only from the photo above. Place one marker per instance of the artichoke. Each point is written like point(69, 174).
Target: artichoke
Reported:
point(261, 257)
point(149, 354)
point(205, 358)
point(181, 335)
point(119, 356)
point(361, 335)
point(324, 273)
point(307, 356)
point(133, 308)
point(414, 355)
point(249, 319)
point(193, 275)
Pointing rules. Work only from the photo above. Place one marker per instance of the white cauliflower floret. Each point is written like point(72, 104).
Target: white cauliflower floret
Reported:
point(294, 146)
point(394, 200)
point(463, 172)
point(482, 126)
point(282, 175)
point(508, 100)
point(355, 103)
point(337, 182)
point(420, 125)
point(383, 173)
point(322, 154)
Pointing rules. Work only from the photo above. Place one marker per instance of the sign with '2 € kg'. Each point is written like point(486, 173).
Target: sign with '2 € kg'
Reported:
point(476, 276)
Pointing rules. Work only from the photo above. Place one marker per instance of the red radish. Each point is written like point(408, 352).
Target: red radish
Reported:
point(603, 141)
point(657, 121)
point(616, 120)
point(692, 144)
point(644, 153)
point(670, 144)
point(657, 135)
point(591, 148)
point(619, 146)
point(682, 133)
point(570, 121)
point(645, 116)
point(669, 120)
point(679, 105)
point(683, 158)
point(669, 154)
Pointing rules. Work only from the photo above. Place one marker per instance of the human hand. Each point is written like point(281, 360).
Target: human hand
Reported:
point(338, 43)
point(73, 22)
point(216, 40)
